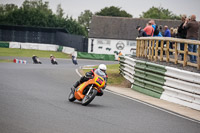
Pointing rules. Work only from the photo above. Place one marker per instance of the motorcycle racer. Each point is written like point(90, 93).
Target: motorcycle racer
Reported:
point(101, 70)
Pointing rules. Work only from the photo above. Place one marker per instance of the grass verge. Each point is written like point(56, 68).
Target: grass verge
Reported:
point(114, 78)
point(30, 53)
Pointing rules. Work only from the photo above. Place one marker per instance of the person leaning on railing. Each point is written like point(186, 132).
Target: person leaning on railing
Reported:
point(149, 29)
point(192, 27)
point(182, 32)
point(168, 34)
point(142, 33)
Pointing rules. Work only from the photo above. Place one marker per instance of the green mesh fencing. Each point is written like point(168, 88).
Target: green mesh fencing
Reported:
point(86, 55)
point(4, 44)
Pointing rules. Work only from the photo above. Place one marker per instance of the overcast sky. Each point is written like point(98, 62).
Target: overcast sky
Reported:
point(134, 7)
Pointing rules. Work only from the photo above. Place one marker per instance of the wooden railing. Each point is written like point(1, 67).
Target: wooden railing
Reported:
point(148, 47)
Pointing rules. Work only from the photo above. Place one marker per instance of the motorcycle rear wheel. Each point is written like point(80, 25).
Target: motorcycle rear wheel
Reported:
point(88, 98)
point(71, 97)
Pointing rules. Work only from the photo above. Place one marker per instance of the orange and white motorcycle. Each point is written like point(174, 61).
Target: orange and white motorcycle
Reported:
point(87, 91)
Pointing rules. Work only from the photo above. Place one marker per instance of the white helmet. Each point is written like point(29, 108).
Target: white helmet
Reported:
point(102, 67)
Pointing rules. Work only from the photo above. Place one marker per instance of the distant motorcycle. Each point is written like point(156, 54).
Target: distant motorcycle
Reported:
point(54, 62)
point(87, 91)
point(36, 60)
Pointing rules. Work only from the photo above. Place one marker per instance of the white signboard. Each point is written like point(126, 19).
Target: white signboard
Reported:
point(108, 46)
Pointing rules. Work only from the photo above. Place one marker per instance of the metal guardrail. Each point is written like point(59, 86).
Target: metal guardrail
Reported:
point(167, 83)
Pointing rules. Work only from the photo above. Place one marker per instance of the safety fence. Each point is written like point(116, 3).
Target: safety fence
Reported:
point(167, 49)
point(37, 46)
point(171, 84)
point(50, 47)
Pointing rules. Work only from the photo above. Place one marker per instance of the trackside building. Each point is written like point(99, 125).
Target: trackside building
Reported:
point(110, 35)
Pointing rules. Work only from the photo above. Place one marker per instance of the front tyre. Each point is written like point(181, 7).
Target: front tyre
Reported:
point(88, 98)
point(71, 97)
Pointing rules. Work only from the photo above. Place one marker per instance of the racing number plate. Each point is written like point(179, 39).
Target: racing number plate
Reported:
point(99, 81)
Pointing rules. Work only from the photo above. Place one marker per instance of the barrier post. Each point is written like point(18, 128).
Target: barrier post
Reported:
point(156, 50)
point(167, 52)
point(198, 58)
point(161, 50)
point(138, 48)
point(152, 53)
point(176, 54)
point(149, 50)
point(142, 48)
point(146, 48)
point(185, 54)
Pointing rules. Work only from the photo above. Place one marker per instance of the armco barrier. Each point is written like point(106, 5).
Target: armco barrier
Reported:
point(171, 84)
point(36, 46)
point(67, 50)
point(95, 56)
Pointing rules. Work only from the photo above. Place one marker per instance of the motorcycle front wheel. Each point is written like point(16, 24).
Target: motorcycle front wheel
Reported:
point(71, 97)
point(88, 98)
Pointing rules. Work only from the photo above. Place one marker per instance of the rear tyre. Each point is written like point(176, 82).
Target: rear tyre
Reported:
point(71, 97)
point(88, 98)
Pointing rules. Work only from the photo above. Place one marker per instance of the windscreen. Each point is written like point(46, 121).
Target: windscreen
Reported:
point(100, 73)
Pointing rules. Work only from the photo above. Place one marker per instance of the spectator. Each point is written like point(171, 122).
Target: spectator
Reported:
point(161, 30)
point(168, 34)
point(192, 27)
point(142, 33)
point(182, 32)
point(120, 54)
point(155, 27)
point(175, 31)
point(149, 29)
point(172, 32)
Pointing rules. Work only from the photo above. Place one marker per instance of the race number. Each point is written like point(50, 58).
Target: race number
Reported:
point(99, 81)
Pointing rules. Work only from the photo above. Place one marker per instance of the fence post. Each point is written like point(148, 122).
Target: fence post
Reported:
point(176, 54)
point(161, 51)
point(156, 50)
point(152, 53)
point(142, 46)
point(146, 48)
point(138, 48)
point(198, 58)
point(149, 50)
point(167, 52)
point(185, 54)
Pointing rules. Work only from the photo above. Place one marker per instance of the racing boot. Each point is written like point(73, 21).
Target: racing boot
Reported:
point(100, 93)
point(75, 85)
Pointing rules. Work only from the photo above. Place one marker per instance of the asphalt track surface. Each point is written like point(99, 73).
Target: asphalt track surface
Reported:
point(33, 99)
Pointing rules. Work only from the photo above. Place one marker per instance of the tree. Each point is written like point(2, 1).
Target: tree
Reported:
point(5, 9)
point(37, 13)
point(113, 11)
point(59, 11)
point(159, 13)
point(85, 18)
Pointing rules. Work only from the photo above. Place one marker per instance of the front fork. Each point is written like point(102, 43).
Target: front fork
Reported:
point(89, 90)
